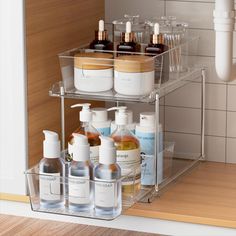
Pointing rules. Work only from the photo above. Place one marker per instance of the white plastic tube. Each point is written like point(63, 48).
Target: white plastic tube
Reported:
point(224, 26)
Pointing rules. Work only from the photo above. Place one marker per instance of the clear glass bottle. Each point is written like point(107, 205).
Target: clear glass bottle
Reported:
point(88, 130)
point(51, 173)
point(107, 180)
point(128, 154)
point(80, 173)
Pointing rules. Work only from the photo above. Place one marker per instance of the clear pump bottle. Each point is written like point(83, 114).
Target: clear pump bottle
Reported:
point(107, 177)
point(80, 173)
point(51, 173)
point(128, 153)
point(88, 130)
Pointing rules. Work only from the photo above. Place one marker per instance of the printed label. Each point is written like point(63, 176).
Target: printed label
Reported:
point(94, 153)
point(49, 186)
point(130, 164)
point(147, 142)
point(104, 131)
point(79, 190)
point(105, 193)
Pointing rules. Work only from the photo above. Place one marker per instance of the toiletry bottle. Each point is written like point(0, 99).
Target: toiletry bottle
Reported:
point(128, 42)
point(107, 177)
point(157, 46)
point(88, 130)
point(128, 153)
point(145, 132)
point(101, 41)
point(51, 173)
point(130, 125)
point(100, 121)
point(80, 173)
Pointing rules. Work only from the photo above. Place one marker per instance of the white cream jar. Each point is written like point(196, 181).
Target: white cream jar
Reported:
point(134, 75)
point(93, 72)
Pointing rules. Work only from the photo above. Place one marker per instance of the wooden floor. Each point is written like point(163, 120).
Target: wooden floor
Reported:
point(22, 226)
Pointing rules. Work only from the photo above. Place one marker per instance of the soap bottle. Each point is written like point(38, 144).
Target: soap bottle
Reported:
point(145, 132)
point(130, 125)
point(128, 153)
point(128, 42)
point(157, 46)
point(51, 173)
point(80, 173)
point(107, 177)
point(100, 121)
point(88, 130)
point(101, 41)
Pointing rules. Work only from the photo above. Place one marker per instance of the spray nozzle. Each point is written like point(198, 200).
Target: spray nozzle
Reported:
point(107, 151)
point(101, 26)
point(80, 139)
point(50, 136)
point(85, 113)
point(122, 117)
point(51, 144)
point(80, 147)
point(156, 29)
point(106, 142)
point(128, 27)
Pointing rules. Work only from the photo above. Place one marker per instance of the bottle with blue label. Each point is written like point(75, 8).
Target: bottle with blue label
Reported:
point(145, 132)
point(100, 121)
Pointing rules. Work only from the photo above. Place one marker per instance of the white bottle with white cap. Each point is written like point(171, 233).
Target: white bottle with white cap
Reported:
point(128, 152)
point(145, 132)
point(100, 121)
point(88, 130)
point(80, 173)
point(130, 124)
point(51, 173)
point(107, 177)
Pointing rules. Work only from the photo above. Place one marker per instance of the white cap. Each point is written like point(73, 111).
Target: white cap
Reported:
point(99, 114)
point(107, 151)
point(156, 29)
point(147, 119)
point(85, 115)
point(51, 145)
point(80, 148)
point(101, 25)
point(128, 27)
point(121, 117)
point(129, 116)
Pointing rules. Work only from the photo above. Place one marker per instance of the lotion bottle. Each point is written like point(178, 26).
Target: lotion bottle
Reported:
point(80, 173)
point(51, 173)
point(88, 130)
point(128, 153)
point(107, 180)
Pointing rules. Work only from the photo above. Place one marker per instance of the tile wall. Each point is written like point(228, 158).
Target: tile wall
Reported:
point(220, 97)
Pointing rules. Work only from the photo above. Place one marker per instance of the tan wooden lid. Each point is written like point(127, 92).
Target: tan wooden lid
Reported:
point(134, 63)
point(93, 60)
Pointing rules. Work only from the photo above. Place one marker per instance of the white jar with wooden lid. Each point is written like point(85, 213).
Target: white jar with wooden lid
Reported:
point(134, 75)
point(93, 71)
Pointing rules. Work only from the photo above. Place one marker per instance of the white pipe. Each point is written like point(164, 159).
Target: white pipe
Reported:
point(224, 26)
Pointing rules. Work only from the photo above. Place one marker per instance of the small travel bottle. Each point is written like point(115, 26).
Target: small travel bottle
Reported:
point(51, 173)
point(157, 46)
point(80, 173)
point(88, 130)
point(100, 121)
point(107, 177)
point(127, 153)
point(128, 42)
point(101, 41)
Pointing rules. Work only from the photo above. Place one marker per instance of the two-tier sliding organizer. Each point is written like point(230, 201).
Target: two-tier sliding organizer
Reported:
point(178, 103)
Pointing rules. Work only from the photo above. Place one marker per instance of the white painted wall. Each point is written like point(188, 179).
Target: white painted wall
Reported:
point(13, 131)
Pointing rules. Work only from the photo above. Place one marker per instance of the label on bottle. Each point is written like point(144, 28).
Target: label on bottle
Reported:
point(105, 193)
point(49, 186)
point(129, 162)
point(104, 131)
point(94, 153)
point(79, 190)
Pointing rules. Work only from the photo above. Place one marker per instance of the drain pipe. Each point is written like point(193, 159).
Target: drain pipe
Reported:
point(224, 25)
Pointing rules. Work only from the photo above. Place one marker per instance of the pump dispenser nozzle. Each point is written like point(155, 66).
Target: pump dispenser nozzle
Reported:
point(85, 114)
point(80, 147)
point(122, 117)
point(51, 144)
point(107, 151)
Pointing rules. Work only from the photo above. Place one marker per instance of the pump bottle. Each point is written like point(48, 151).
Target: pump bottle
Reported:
point(107, 177)
point(101, 41)
point(128, 153)
point(88, 130)
point(80, 173)
point(51, 173)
